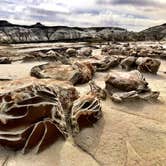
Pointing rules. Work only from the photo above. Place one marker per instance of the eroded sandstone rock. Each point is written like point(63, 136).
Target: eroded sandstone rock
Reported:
point(98, 91)
point(106, 63)
point(50, 56)
point(128, 63)
point(135, 50)
point(131, 85)
point(71, 52)
point(105, 49)
point(33, 116)
point(77, 73)
point(148, 64)
point(143, 64)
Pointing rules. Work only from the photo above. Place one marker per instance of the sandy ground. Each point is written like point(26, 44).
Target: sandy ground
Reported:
point(25, 48)
point(128, 134)
point(17, 70)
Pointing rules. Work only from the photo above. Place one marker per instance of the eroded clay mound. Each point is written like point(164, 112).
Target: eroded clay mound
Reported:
point(35, 115)
point(77, 73)
point(130, 85)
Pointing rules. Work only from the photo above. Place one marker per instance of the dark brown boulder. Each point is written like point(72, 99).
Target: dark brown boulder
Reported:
point(128, 63)
point(146, 64)
point(129, 85)
point(106, 63)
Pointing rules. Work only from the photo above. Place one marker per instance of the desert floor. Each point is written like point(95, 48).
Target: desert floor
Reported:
point(128, 134)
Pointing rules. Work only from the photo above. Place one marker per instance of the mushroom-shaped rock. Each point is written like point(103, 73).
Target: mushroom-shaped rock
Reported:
point(78, 73)
point(128, 85)
point(146, 64)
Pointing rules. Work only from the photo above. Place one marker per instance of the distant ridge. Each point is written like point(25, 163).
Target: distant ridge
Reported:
point(5, 23)
point(154, 33)
point(13, 33)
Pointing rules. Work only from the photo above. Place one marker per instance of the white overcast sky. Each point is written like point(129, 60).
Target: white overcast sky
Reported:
point(133, 15)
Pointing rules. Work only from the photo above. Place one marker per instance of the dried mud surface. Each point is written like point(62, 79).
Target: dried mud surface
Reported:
point(128, 134)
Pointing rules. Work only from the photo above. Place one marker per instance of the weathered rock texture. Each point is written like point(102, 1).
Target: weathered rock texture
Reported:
point(50, 56)
point(33, 116)
point(157, 51)
point(105, 63)
point(143, 64)
point(78, 73)
point(148, 64)
point(10, 33)
point(130, 85)
point(128, 63)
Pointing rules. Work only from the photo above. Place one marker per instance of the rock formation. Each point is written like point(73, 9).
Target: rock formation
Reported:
point(148, 64)
point(128, 63)
point(143, 64)
point(33, 116)
point(49, 56)
point(11, 33)
point(96, 90)
point(105, 63)
point(78, 73)
point(71, 52)
point(127, 86)
point(153, 33)
point(157, 51)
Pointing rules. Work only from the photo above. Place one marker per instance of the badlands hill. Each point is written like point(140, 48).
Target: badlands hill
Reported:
point(153, 33)
point(12, 33)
